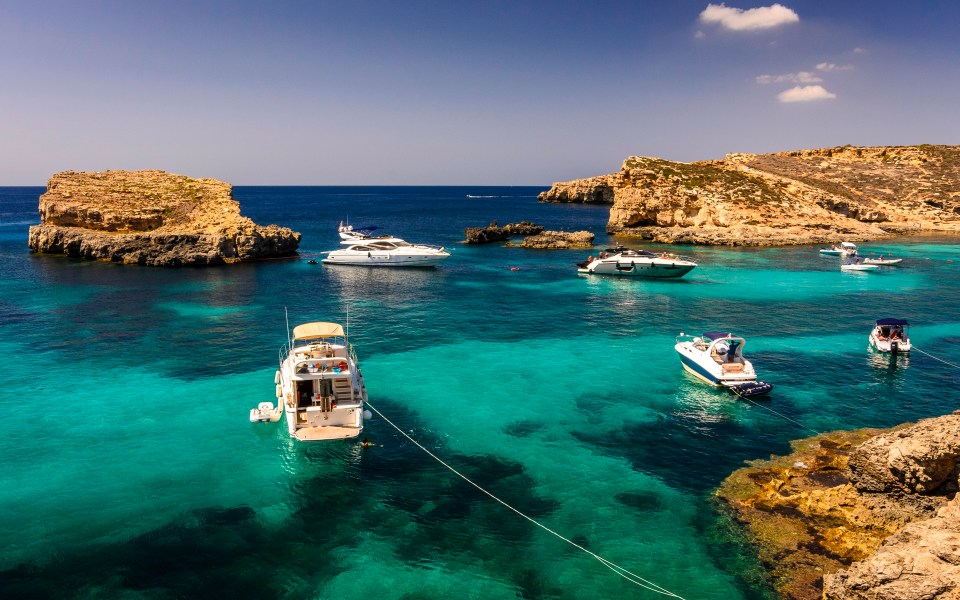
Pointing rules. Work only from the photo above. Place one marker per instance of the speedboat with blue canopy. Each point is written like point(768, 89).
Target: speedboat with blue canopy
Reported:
point(890, 335)
point(717, 358)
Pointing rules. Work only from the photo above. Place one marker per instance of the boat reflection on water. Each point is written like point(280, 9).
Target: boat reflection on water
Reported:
point(706, 405)
point(887, 361)
point(383, 283)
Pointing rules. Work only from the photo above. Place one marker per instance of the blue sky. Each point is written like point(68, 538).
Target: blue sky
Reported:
point(436, 93)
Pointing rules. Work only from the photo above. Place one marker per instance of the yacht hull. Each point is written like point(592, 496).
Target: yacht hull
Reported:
point(385, 261)
point(706, 369)
point(640, 268)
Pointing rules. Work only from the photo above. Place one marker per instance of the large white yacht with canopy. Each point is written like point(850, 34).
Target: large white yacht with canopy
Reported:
point(369, 250)
point(320, 385)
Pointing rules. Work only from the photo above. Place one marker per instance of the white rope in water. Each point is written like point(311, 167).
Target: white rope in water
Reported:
point(781, 415)
point(946, 362)
point(622, 572)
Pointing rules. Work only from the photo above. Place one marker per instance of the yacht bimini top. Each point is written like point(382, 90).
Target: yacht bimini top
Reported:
point(894, 322)
point(318, 330)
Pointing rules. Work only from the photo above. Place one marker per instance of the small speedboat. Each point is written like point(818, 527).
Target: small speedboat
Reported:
point(859, 267)
point(890, 335)
point(844, 249)
point(882, 261)
point(638, 263)
point(717, 358)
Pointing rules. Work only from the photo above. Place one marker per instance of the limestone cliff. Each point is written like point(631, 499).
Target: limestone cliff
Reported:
point(808, 196)
point(151, 218)
point(861, 514)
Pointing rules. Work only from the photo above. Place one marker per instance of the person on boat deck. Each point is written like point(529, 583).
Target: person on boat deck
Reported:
point(895, 334)
point(589, 259)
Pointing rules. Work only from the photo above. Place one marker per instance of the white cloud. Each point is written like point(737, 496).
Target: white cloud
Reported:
point(699, 35)
point(738, 19)
point(807, 93)
point(800, 77)
point(825, 66)
point(858, 50)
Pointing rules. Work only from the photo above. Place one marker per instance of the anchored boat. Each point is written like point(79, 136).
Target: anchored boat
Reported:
point(890, 335)
point(320, 385)
point(844, 249)
point(366, 249)
point(638, 263)
point(717, 358)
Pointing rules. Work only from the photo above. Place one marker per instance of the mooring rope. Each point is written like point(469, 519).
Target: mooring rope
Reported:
point(622, 572)
point(781, 415)
point(946, 362)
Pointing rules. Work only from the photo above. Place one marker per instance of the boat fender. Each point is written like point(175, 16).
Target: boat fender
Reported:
point(367, 415)
point(279, 391)
point(343, 365)
point(276, 377)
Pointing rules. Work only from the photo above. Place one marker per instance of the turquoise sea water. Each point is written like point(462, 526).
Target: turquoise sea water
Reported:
point(131, 469)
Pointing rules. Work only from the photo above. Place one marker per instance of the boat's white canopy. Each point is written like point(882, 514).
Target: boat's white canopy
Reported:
point(312, 331)
point(849, 245)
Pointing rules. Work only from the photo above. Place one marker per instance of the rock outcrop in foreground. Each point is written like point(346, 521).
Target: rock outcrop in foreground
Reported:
point(858, 515)
point(808, 196)
point(151, 218)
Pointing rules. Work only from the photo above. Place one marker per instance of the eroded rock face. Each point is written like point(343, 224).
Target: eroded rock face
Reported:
point(558, 240)
point(920, 562)
point(840, 498)
point(810, 196)
point(151, 218)
point(494, 233)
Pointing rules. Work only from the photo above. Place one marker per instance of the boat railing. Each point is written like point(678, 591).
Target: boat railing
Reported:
point(313, 366)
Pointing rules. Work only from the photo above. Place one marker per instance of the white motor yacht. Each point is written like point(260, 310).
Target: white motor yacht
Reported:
point(844, 249)
point(890, 335)
point(717, 358)
point(366, 249)
point(638, 263)
point(319, 384)
point(386, 253)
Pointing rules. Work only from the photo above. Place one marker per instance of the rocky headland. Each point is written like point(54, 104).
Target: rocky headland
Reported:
point(493, 233)
point(802, 197)
point(151, 218)
point(863, 514)
point(558, 240)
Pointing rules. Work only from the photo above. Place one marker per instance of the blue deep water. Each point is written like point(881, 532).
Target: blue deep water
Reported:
point(131, 470)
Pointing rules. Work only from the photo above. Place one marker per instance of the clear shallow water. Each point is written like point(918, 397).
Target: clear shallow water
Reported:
point(131, 470)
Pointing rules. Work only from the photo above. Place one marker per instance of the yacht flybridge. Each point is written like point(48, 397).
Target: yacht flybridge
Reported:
point(320, 385)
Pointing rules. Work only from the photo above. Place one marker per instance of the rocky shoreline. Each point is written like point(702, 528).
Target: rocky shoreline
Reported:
point(151, 218)
point(800, 197)
point(857, 514)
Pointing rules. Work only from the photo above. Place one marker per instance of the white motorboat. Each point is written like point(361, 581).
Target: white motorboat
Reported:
point(319, 384)
point(882, 261)
point(717, 358)
point(859, 267)
point(844, 249)
point(890, 335)
point(387, 253)
point(638, 263)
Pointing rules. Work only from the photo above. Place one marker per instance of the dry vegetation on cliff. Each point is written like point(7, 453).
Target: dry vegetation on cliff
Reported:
point(809, 196)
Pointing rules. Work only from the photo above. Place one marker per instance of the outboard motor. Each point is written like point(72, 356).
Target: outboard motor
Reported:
point(894, 347)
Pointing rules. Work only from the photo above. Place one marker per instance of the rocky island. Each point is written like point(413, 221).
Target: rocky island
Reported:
point(801, 197)
point(859, 515)
point(151, 218)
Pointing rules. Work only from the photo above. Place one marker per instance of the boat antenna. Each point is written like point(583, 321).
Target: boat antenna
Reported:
point(286, 317)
